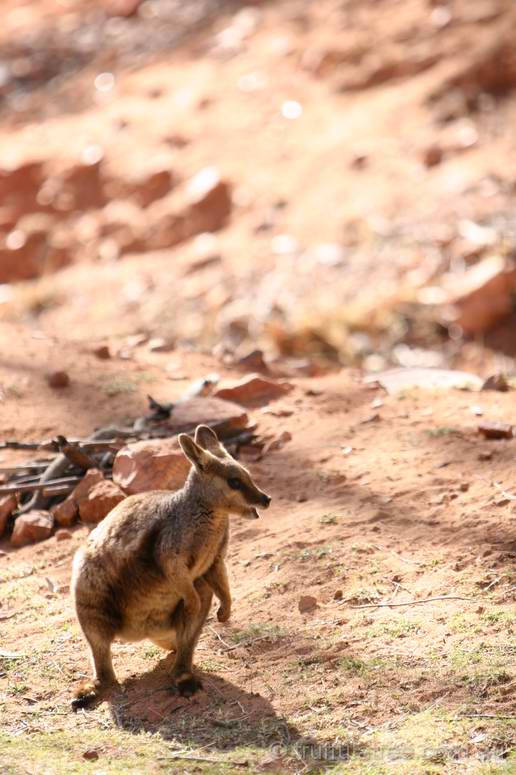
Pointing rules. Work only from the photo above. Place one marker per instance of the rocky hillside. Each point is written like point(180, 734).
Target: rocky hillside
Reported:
point(323, 179)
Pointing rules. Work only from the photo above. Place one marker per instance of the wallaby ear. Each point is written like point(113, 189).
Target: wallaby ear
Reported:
point(207, 439)
point(193, 451)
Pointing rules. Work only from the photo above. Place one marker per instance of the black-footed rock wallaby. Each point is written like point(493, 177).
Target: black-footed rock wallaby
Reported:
point(150, 568)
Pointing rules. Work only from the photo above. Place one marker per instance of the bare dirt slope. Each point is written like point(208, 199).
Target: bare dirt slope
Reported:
point(376, 498)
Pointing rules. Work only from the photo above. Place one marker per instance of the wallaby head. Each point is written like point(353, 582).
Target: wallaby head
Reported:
point(223, 481)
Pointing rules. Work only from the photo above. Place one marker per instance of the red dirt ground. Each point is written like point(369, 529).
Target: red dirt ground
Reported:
point(410, 509)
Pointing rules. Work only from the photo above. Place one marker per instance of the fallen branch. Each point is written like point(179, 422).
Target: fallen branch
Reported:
point(55, 491)
point(75, 454)
point(403, 559)
point(214, 631)
point(227, 723)
point(24, 445)
point(212, 759)
point(248, 642)
point(99, 445)
point(6, 489)
point(415, 602)
point(494, 581)
point(23, 469)
point(486, 715)
point(55, 470)
point(95, 445)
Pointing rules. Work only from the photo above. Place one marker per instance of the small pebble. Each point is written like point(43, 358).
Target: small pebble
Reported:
point(58, 379)
point(103, 352)
point(63, 535)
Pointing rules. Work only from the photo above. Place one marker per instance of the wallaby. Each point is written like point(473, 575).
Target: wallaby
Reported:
point(150, 568)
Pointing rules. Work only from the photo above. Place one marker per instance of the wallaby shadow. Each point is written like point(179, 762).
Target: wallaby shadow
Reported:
point(220, 717)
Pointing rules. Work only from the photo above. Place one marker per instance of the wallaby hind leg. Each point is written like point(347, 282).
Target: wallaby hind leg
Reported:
point(99, 638)
point(187, 633)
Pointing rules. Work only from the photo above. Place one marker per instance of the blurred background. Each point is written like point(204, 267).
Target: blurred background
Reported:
point(331, 182)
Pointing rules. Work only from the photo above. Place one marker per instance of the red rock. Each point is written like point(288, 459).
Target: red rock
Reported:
point(496, 382)
point(277, 443)
point(165, 228)
point(484, 296)
point(496, 430)
point(79, 186)
point(122, 223)
point(206, 207)
point(209, 201)
point(8, 220)
point(28, 251)
point(19, 187)
point(150, 465)
point(31, 527)
point(95, 496)
point(90, 755)
point(252, 390)
point(253, 361)
point(63, 535)
point(7, 505)
point(101, 499)
point(58, 379)
point(432, 156)
point(152, 187)
point(66, 512)
point(102, 352)
point(141, 190)
point(250, 452)
point(124, 8)
point(359, 162)
point(278, 410)
point(223, 416)
point(306, 604)
point(91, 477)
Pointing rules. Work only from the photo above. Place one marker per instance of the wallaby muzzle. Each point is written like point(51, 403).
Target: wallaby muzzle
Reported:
point(264, 501)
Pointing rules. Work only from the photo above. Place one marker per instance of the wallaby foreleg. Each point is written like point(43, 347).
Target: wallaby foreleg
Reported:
point(217, 578)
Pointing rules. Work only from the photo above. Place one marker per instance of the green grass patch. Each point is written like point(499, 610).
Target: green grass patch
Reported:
point(397, 628)
point(119, 752)
point(328, 519)
point(445, 430)
point(258, 631)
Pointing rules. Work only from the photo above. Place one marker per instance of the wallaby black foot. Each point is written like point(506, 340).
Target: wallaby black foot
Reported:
point(91, 693)
point(86, 696)
point(187, 685)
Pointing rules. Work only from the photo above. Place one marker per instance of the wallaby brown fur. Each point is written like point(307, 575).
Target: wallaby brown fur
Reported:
point(150, 568)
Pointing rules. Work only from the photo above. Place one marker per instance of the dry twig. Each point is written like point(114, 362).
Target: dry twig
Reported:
point(415, 602)
point(486, 715)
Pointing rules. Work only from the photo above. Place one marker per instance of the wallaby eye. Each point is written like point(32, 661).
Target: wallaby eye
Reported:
point(235, 483)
